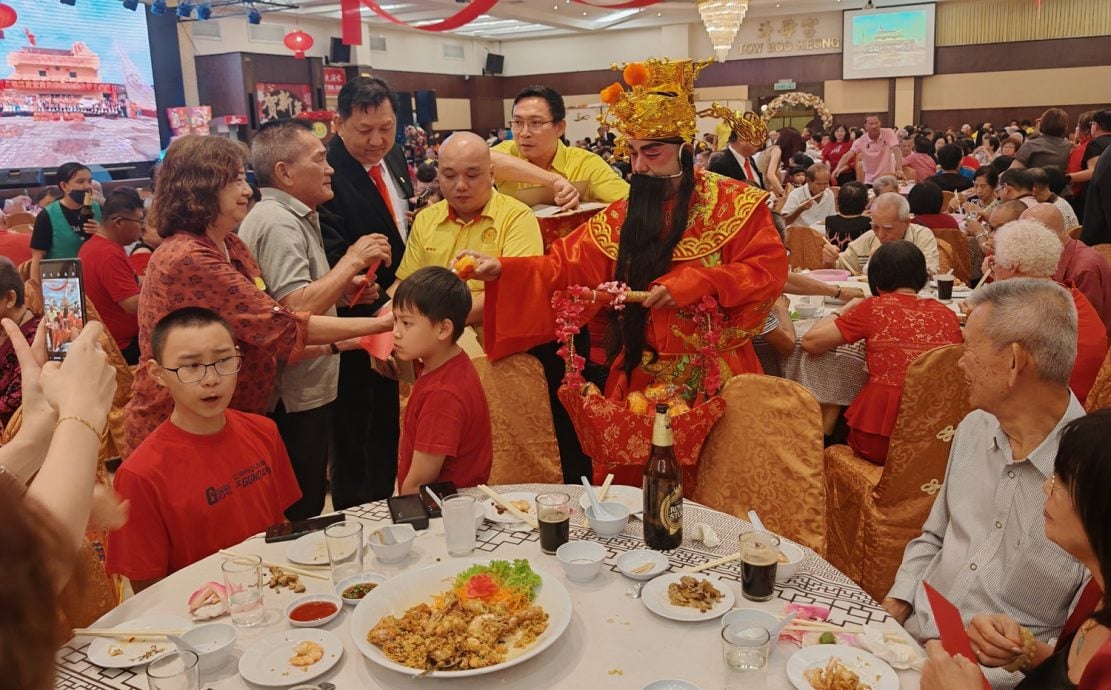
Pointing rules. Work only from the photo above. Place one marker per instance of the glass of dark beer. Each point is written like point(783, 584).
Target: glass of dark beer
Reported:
point(553, 513)
point(759, 558)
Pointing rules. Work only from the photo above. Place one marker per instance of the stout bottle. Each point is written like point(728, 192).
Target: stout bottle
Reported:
point(86, 213)
point(663, 489)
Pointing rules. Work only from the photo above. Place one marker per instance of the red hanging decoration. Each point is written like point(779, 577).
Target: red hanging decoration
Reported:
point(353, 28)
point(298, 41)
point(7, 17)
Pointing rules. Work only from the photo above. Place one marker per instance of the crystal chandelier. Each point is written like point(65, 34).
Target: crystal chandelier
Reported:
point(722, 19)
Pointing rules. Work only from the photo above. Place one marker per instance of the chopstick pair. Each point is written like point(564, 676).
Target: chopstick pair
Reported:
point(712, 564)
point(124, 633)
point(605, 487)
point(496, 498)
point(285, 567)
point(821, 626)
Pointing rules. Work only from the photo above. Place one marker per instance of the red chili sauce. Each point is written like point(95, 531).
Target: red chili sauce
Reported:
point(312, 610)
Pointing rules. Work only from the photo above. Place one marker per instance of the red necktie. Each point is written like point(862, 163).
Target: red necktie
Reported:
point(376, 175)
point(748, 171)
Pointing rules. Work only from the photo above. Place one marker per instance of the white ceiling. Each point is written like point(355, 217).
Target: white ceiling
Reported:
point(520, 19)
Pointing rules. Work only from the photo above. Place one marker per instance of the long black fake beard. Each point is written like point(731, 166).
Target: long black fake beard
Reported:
point(644, 254)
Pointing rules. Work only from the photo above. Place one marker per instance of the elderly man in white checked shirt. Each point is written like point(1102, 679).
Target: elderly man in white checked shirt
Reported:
point(984, 545)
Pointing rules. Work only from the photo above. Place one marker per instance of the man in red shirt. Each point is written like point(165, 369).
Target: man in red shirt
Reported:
point(208, 477)
point(446, 435)
point(1023, 249)
point(110, 281)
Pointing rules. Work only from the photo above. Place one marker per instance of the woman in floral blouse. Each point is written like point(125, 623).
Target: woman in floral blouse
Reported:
point(201, 199)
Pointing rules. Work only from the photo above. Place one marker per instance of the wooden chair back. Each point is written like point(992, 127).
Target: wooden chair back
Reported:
point(805, 244)
point(19, 218)
point(961, 260)
point(525, 449)
point(765, 454)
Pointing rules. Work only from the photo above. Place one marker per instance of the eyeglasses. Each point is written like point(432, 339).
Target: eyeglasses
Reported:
point(533, 126)
point(194, 373)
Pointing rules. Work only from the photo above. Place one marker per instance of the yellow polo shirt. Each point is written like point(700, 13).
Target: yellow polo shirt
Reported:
point(575, 165)
point(504, 227)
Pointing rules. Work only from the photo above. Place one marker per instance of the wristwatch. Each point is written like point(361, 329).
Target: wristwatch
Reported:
point(334, 348)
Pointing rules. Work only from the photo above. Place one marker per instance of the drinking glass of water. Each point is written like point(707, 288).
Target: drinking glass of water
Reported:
point(745, 649)
point(243, 578)
point(459, 527)
point(175, 671)
point(344, 541)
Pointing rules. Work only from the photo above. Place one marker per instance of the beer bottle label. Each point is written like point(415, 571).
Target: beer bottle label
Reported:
point(671, 509)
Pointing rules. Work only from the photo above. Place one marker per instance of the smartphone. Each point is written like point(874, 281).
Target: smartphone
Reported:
point(408, 509)
point(63, 303)
point(441, 489)
point(285, 531)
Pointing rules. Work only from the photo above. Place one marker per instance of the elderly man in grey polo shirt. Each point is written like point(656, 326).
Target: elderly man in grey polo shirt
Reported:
point(983, 545)
point(283, 232)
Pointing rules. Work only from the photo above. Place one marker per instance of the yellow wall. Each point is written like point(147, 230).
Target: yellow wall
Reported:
point(453, 113)
point(857, 96)
point(1075, 85)
point(1004, 21)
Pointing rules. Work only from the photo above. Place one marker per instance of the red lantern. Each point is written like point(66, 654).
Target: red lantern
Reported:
point(298, 41)
point(7, 17)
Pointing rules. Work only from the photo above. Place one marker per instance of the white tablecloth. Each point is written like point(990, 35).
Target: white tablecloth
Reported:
point(613, 641)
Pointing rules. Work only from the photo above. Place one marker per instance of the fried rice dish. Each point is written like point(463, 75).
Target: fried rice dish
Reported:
point(835, 676)
point(486, 615)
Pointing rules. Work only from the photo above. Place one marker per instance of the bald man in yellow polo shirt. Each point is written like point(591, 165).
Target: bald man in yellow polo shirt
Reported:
point(536, 156)
point(473, 215)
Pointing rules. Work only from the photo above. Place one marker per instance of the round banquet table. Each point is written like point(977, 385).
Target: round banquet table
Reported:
point(612, 641)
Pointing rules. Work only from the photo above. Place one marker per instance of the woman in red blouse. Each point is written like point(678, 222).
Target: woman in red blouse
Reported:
point(838, 146)
point(201, 198)
point(897, 327)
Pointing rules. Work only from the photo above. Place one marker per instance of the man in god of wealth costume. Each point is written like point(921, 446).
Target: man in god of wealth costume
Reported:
point(682, 235)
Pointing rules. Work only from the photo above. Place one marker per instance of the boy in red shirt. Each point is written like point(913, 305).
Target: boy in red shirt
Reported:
point(446, 434)
point(208, 477)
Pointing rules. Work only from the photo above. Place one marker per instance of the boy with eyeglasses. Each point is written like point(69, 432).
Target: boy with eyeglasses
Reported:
point(206, 478)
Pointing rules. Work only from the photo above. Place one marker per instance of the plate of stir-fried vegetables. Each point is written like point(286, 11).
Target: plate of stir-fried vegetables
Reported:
point(462, 618)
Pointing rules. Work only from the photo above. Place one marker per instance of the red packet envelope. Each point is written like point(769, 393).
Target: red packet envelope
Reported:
point(954, 637)
point(379, 345)
point(370, 271)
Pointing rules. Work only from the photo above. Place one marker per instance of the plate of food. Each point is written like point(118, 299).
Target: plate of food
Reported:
point(839, 667)
point(688, 597)
point(125, 652)
point(524, 501)
point(632, 497)
point(290, 657)
point(308, 550)
point(506, 612)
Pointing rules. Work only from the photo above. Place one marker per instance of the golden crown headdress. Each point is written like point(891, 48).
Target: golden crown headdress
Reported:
point(749, 127)
point(660, 102)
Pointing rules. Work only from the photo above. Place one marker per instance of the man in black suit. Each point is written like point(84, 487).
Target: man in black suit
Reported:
point(737, 161)
point(372, 187)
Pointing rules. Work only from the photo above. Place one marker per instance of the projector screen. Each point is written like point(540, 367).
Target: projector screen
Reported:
point(76, 85)
point(888, 42)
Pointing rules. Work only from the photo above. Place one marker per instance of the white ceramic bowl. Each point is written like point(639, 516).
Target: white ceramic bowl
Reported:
point(630, 561)
point(355, 580)
point(794, 555)
point(751, 618)
point(581, 560)
point(213, 642)
point(402, 536)
point(315, 623)
point(608, 528)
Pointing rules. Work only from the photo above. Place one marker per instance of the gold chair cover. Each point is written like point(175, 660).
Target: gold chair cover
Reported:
point(1104, 249)
point(1100, 395)
point(961, 259)
point(765, 454)
point(945, 256)
point(525, 449)
point(872, 511)
point(805, 245)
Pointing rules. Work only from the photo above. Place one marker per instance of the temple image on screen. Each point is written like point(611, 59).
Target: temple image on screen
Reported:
point(889, 42)
point(75, 84)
